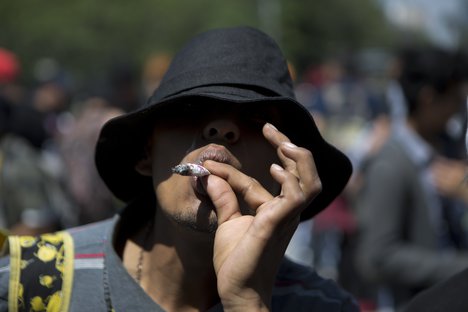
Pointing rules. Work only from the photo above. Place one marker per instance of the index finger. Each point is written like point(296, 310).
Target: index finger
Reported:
point(297, 160)
point(251, 191)
point(276, 138)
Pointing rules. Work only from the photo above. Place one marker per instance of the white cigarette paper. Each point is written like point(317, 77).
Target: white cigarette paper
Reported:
point(190, 169)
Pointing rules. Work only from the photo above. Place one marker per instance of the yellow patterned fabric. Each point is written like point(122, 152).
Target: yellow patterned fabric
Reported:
point(41, 272)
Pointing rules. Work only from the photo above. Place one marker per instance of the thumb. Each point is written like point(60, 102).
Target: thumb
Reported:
point(223, 197)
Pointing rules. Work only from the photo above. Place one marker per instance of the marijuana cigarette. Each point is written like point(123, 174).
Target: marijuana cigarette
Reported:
point(190, 169)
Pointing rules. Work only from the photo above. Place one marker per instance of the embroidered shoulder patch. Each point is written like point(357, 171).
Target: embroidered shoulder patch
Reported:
point(41, 272)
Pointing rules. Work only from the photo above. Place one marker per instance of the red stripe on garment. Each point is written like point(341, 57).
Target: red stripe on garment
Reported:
point(90, 255)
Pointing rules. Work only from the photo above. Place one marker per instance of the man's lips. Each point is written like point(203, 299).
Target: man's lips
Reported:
point(220, 154)
point(216, 153)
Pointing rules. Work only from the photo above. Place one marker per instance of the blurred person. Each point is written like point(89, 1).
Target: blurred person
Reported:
point(411, 234)
point(93, 200)
point(450, 294)
point(342, 224)
point(50, 99)
point(205, 242)
point(351, 114)
point(45, 112)
point(32, 195)
point(28, 123)
point(9, 66)
point(394, 93)
point(123, 91)
point(10, 71)
point(154, 68)
point(39, 118)
point(353, 118)
point(26, 207)
point(447, 295)
point(25, 121)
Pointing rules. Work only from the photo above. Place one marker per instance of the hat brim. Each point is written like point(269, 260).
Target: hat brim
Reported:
point(122, 140)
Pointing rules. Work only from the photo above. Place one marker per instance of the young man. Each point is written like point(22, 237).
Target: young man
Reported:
point(216, 241)
point(410, 218)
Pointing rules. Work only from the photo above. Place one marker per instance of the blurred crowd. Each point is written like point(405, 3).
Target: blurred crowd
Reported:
point(400, 226)
point(48, 131)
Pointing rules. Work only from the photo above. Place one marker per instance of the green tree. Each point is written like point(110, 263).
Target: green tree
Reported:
point(87, 37)
point(318, 29)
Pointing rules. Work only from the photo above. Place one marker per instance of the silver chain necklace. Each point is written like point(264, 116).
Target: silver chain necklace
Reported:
point(142, 251)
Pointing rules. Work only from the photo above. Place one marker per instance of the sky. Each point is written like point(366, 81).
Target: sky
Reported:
point(429, 15)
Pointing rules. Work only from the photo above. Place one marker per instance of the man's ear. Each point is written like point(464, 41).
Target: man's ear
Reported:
point(144, 167)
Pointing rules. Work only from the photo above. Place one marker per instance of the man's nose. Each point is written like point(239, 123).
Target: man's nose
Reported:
point(221, 130)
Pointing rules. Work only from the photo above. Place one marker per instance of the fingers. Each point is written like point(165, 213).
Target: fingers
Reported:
point(253, 193)
point(296, 174)
point(290, 203)
point(296, 160)
point(305, 170)
point(223, 198)
point(275, 138)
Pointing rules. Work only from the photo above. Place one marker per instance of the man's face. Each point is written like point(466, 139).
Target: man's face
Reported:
point(230, 135)
point(444, 106)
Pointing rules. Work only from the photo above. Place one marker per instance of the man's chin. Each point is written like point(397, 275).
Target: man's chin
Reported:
point(203, 219)
point(206, 219)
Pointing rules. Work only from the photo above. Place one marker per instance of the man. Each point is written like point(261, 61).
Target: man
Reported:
point(217, 241)
point(410, 218)
point(448, 295)
point(27, 204)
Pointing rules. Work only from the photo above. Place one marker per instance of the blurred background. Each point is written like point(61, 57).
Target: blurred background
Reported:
point(86, 38)
point(67, 67)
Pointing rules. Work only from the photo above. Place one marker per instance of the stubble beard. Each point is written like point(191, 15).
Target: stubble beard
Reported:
point(202, 220)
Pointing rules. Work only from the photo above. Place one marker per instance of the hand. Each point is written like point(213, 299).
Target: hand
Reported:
point(248, 249)
point(449, 178)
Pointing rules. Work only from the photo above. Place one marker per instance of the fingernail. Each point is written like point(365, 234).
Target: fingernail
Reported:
point(289, 145)
point(271, 126)
point(277, 167)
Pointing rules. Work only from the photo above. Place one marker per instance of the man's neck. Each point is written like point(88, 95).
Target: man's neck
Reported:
point(176, 268)
point(428, 135)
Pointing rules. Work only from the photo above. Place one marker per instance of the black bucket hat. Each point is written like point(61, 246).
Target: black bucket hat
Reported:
point(240, 66)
